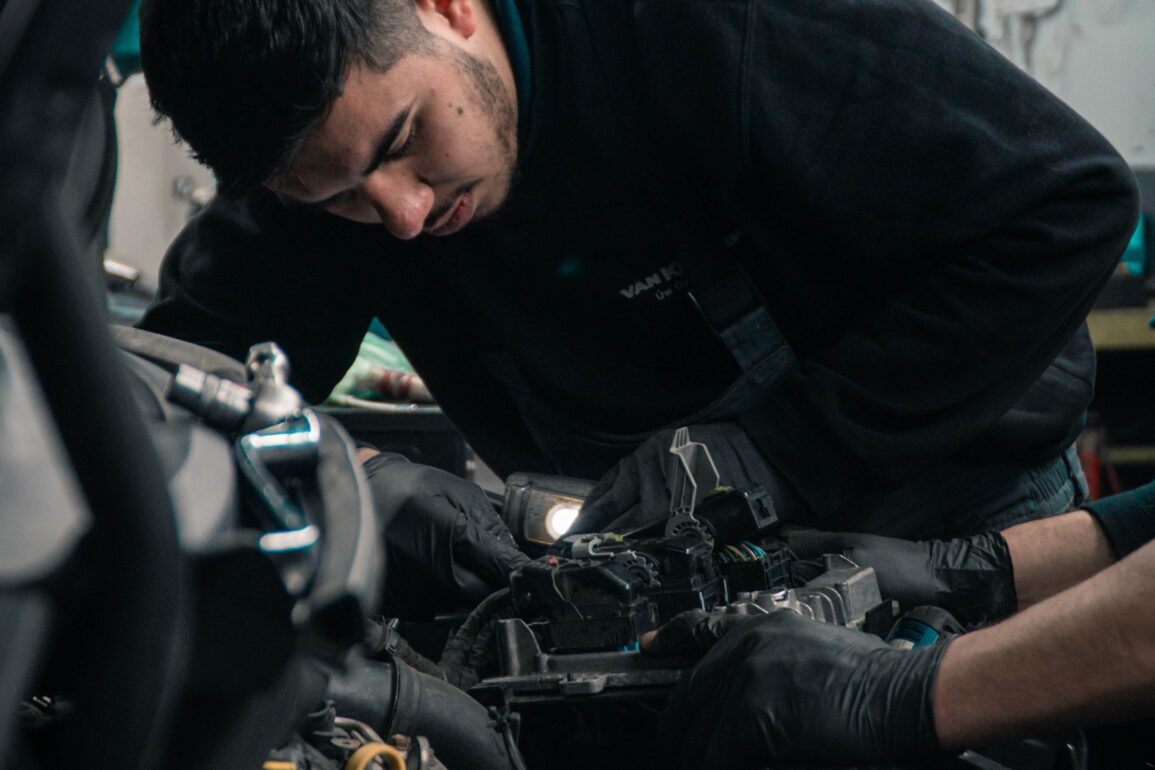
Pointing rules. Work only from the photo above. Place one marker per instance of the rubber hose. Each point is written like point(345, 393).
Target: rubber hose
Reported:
point(393, 698)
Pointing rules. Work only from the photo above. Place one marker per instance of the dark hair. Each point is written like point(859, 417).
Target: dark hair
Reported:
point(243, 81)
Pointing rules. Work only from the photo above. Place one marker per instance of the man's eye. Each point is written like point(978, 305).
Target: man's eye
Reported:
point(404, 149)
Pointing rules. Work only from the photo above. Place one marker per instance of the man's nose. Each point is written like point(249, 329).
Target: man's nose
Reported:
point(402, 202)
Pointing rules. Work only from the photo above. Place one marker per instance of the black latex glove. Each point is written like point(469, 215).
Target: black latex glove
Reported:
point(637, 490)
point(690, 634)
point(972, 577)
point(447, 547)
point(781, 686)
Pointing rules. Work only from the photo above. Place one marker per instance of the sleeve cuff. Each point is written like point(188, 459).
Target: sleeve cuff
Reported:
point(1128, 518)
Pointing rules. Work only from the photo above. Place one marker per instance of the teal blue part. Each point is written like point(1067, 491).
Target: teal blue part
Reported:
point(755, 548)
point(629, 647)
point(379, 329)
point(916, 632)
point(375, 352)
point(126, 49)
point(571, 267)
point(1135, 255)
point(517, 45)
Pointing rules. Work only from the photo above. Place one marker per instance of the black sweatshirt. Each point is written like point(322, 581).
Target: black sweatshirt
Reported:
point(927, 226)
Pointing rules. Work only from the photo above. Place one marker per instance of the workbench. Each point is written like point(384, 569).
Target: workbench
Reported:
point(1123, 328)
point(1124, 402)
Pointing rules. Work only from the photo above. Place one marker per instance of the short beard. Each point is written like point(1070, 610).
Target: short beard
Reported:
point(493, 97)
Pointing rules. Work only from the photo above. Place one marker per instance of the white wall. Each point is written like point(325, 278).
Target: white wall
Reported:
point(1099, 56)
point(1096, 55)
point(146, 214)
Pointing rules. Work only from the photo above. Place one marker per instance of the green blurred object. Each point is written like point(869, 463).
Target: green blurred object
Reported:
point(126, 49)
point(1135, 255)
point(1130, 284)
point(376, 352)
point(379, 329)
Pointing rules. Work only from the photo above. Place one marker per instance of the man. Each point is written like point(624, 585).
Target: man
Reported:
point(1081, 653)
point(847, 243)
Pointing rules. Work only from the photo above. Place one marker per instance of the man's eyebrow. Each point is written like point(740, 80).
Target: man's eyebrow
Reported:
point(388, 139)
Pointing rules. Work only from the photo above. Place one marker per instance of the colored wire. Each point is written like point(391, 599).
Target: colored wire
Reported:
point(757, 549)
point(737, 553)
point(278, 764)
point(365, 755)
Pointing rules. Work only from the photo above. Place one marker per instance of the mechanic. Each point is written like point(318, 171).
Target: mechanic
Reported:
point(1080, 653)
point(847, 242)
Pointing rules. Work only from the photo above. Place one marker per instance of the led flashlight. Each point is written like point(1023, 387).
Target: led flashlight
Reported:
point(560, 518)
point(539, 508)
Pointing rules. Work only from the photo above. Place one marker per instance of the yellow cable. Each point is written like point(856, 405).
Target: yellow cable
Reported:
point(363, 756)
point(279, 764)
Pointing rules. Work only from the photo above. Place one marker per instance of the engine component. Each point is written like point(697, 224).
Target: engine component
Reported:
point(601, 592)
point(539, 509)
point(845, 595)
point(590, 604)
point(749, 567)
point(392, 697)
point(225, 405)
point(922, 627)
point(598, 593)
point(732, 514)
point(535, 669)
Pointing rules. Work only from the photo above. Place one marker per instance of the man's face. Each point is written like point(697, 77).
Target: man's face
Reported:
point(428, 146)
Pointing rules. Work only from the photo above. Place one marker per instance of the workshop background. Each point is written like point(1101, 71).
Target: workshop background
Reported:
point(1097, 55)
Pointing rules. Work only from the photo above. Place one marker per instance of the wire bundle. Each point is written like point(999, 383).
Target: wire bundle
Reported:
point(743, 551)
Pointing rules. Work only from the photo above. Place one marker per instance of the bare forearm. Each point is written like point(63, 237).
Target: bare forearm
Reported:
point(1051, 555)
point(1084, 656)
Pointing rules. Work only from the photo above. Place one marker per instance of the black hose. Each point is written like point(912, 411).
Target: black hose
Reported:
point(470, 649)
point(395, 698)
point(135, 650)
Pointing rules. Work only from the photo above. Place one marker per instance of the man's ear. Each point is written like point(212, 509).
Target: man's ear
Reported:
point(460, 14)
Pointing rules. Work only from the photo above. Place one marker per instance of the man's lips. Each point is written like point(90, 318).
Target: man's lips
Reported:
point(457, 218)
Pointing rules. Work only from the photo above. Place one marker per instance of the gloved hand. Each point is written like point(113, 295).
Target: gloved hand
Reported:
point(972, 577)
point(782, 686)
point(689, 634)
point(637, 490)
point(446, 546)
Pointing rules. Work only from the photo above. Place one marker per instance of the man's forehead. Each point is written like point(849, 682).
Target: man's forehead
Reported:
point(368, 101)
point(314, 172)
point(326, 150)
point(371, 106)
